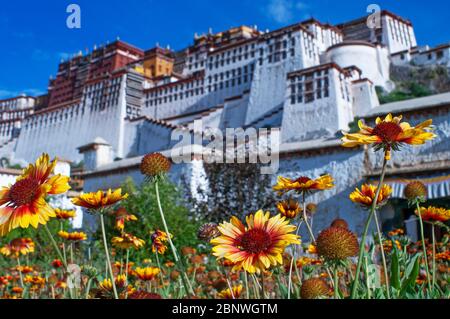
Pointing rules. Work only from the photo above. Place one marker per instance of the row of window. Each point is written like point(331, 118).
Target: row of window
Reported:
point(249, 52)
point(176, 88)
point(53, 118)
point(232, 60)
point(230, 83)
point(231, 73)
point(175, 97)
point(400, 32)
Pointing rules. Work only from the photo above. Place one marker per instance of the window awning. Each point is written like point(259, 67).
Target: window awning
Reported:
point(438, 187)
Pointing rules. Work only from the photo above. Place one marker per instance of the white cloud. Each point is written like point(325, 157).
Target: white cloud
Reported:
point(285, 11)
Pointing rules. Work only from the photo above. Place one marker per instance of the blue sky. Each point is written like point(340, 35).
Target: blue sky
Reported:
point(35, 37)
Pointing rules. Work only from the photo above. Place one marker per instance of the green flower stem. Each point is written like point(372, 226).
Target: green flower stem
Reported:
point(424, 248)
point(20, 272)
point(126, 265)
point(58, 251)
point(105, 244)
point(433, 235)
point(126, 271)
point(161, 277)
point(55, 246)
point(383, 256)
point(369, 294)
point(187, 284)
point(247, 292)
point(294, 254)
point(88, 288)
point(263, 288)
point(63, 244)
point(336, 283)
point(305, 218)
point(256, 287)
point(366, 229)
point(228, 282)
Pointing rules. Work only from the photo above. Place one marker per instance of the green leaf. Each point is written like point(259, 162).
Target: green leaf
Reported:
point(411, 273)
point(395, 270)
point(283, 290)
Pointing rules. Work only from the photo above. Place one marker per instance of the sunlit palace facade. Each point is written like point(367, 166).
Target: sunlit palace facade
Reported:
point(310, 79)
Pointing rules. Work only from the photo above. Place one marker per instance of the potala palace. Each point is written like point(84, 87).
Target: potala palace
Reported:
point(109, 107)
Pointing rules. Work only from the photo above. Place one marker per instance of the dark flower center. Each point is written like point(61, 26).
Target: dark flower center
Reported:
point(387, 131)
point(24, 191)
point(303, 179)
point(255, 241)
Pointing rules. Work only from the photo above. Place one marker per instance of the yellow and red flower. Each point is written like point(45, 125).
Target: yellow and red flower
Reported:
point(17, 247)
point(303, 184)
point(366, 195)
point(396, 232)
point(289, 208)
point(63, 214)
point(389, 134)
point(74, 236)
point(434, 214)
point(36, 281)
point(234, 293)
point(257, 246)
point(25, 269)
point(127, 241)
point(159, 239)
point(99, 199)
point(24, 203)
point(147, 273)
point(106, 287)
point(123, 216)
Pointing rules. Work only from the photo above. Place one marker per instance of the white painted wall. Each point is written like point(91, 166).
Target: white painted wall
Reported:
point(373, 61)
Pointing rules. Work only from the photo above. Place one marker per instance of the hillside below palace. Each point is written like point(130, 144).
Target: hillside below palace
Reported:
point(310, 79)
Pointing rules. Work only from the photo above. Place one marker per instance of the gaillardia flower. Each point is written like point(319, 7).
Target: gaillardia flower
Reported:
point(314, 288)
point(208, 231)
point(337, 243)
point(63, 214)
point(74, 236)
point(123, 216)
point(127, 241)
point(147, 273)
point(142, 294)
point(154, 164)
point(229, 294)
point(289, 208)
point(105, 290)
point(303, 184)
point(159, 239)
point(24, 203)
point(434, 214)
point(99, 199)
point(416, 190)
point(389, 134)
point(366, 195)
point(311, 209)
point(339, 223)
point(258, 245)
point(17, 247)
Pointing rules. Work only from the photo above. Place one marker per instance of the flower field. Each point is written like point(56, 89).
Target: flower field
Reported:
point(259, 257)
